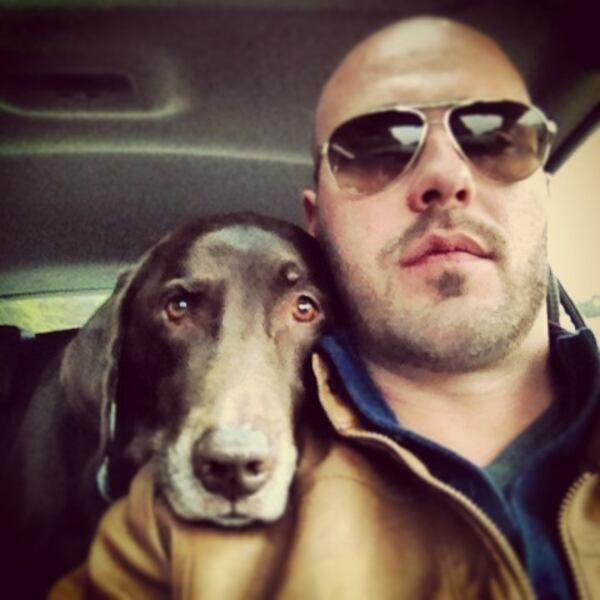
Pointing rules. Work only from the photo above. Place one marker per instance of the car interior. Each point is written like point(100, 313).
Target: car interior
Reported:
point(121, 119)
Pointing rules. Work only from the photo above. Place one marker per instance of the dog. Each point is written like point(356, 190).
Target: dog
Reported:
point(198, 362)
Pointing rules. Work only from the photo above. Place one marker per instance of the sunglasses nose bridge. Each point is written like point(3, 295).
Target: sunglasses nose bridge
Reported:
point(439, 127)
point(431, 123)
point(442, 174)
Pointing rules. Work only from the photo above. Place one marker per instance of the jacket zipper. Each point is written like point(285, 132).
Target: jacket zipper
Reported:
point(581, 590)
point(465, 502)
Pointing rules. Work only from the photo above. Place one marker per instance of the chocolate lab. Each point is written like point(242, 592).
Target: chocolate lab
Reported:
point(197, 361)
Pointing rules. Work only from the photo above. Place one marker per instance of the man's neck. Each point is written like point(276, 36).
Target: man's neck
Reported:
point(475, 414)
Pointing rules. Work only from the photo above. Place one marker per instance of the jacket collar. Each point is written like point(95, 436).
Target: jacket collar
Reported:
point(339, 411)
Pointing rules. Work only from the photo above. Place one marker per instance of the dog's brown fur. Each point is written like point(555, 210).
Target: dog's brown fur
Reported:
point(200, 353)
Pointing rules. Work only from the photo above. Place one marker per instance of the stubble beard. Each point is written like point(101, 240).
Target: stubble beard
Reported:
point(393, 333)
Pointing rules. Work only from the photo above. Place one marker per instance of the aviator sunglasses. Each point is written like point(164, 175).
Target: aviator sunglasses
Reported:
point(503, 139)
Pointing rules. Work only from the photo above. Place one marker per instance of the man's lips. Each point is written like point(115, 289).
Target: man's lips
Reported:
point(449, 247)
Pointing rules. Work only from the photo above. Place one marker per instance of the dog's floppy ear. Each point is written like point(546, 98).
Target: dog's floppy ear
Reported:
point(90, 363)
point(89, 368)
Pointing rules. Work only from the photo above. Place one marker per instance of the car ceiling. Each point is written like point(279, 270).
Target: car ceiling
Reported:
point(121, 119)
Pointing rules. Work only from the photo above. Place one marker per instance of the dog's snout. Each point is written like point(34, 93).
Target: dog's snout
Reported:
point(232, 462)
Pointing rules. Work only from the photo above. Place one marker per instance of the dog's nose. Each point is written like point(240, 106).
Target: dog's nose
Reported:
point(232, 462)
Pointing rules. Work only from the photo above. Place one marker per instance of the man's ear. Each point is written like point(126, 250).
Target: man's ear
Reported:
point(309, 203)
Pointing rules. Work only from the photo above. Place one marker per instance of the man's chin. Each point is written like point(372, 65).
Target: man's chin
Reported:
point(454, 293)
point(452, 339)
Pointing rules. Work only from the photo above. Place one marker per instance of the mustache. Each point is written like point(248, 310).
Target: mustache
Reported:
point(442, 219)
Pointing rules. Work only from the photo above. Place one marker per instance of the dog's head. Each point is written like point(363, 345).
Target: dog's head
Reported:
point(203, 350)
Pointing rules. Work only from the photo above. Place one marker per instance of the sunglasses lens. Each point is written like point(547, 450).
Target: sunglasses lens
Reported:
point(506, 140)
point(366, 153)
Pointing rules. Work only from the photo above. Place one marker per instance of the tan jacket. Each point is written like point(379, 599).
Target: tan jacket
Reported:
point(366, 521)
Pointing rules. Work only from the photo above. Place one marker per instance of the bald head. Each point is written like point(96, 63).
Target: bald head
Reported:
point(415, 62)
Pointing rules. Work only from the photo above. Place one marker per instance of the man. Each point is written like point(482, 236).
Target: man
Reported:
point(444, 269)
point(459, 456)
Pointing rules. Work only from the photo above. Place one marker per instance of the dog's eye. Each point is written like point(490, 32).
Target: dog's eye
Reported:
point(177, 307)
point(305, 309)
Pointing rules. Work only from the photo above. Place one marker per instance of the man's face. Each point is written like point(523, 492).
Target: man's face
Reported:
point(447, 311)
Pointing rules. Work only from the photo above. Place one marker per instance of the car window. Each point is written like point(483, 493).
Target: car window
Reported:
point(41, 313)
point(574, 228)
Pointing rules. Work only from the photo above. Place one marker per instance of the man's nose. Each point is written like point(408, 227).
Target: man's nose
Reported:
point(441, 174)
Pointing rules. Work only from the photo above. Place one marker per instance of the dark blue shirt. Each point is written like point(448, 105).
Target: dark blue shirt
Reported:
point(526, 507)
